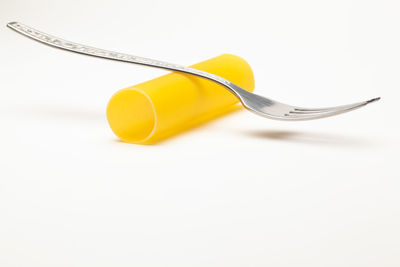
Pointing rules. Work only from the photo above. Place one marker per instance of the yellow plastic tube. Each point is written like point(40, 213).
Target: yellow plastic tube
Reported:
point(154, 110)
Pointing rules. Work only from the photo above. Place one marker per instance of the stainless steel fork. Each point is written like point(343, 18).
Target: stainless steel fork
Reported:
point(257, 104)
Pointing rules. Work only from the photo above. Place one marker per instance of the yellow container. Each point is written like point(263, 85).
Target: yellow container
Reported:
point(162, 107)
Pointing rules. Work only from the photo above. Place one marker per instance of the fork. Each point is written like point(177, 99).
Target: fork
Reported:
point(257, 104)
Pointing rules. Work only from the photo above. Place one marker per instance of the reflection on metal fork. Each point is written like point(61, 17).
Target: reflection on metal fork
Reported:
point(255, 103)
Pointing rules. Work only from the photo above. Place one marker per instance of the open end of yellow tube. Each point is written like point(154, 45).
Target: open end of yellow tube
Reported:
point(133, 115)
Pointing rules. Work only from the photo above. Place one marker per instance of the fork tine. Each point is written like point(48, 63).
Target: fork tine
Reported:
point(328, 112)
point(300, 110)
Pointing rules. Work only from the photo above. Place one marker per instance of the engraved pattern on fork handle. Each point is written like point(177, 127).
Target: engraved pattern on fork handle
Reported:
point(97, 52)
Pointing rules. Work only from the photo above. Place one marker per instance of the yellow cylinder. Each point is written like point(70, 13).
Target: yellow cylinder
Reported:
point(154, 110)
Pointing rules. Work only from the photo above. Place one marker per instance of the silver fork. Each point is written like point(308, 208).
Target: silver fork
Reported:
point(257, 104)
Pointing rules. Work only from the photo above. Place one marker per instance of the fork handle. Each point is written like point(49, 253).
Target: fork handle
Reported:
point(106, 54)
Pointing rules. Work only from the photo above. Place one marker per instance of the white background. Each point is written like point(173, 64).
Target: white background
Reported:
point(239, 191)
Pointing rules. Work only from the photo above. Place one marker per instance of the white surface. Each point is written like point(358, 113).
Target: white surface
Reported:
point(239, 191)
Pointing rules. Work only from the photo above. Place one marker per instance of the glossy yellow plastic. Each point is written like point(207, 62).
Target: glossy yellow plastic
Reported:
point(154, 110)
